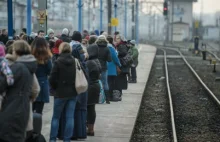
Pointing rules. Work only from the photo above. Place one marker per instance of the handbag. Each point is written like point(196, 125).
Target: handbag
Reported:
point(101, 94)
point(81, 83)
point(126, 60)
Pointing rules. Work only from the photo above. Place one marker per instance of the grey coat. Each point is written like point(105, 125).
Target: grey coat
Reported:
point(16, 106)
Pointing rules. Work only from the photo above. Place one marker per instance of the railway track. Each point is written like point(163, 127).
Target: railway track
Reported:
point(180, 108)
point(193, 106)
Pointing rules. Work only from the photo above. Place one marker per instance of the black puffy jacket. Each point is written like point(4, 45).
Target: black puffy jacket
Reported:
point(62, 77)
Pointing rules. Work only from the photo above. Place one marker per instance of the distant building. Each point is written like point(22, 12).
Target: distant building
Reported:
point(211, 33)
point(182, 19)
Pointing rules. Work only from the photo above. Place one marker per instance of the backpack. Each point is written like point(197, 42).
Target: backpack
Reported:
point(76, 48)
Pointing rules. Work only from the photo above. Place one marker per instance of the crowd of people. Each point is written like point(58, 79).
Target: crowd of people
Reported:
point(37, 66)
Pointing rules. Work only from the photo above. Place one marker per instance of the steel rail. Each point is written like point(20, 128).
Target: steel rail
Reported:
point(170, 98)
point(197, 76)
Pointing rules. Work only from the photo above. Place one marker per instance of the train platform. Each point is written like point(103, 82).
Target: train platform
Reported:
point(115, 121)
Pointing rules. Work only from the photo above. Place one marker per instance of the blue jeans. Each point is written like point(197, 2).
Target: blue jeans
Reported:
point(104, 79)
point(58, 108)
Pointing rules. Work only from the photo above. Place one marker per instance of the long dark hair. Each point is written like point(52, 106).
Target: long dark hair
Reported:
point(40, 50)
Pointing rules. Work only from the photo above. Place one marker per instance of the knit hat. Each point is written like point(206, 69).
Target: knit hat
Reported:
point(2, 51)
point(133, 42)
point(50, 31)
point(77, 36)
point(65, 31)
point(101, 38)
point(105, 34)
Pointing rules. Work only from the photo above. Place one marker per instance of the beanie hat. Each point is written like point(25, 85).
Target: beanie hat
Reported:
point(50, 31)
point(105, 34)
point(101, 38)
point(133, 42)
point(2, 51)
point(77, 36)
point(65, 31)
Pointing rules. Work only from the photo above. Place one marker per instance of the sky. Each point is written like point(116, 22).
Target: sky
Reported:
point(209, 6)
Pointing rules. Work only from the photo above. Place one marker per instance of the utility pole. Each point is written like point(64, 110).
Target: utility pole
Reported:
point(115, 6)
point(80, 5)
point(154, 26)
point(29, 18)
point(89, 10)
point(149, 28)
point(172, 21)
point(10, 19)
point(125, 22)
point(133, 29)
point(94, 16)
point(109, 16)
point(137, 22)
point(101, 11)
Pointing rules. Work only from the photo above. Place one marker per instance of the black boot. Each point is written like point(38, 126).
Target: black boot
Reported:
point(107, 97)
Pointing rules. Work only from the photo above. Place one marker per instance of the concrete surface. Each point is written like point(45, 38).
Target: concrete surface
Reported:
point(115, 122)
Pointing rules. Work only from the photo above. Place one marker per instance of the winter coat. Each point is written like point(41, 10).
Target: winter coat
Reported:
point(134, 53)
point(4, 38)
point(121, 79)
point(104, 55)
point(112, 66)
point(35, 85)
point(94, 71)
point(42, 73)
point(122, 52)
point(62, 77)
point(65, 38)
point(16, 106)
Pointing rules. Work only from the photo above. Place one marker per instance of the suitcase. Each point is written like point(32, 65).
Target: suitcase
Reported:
point(80, 119)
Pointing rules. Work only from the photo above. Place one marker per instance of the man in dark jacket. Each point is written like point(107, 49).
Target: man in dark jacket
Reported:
point(65, 35)
point(104, 57)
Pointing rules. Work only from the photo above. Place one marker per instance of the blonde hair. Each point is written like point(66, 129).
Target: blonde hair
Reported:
point(65, 48)
point(21, 47)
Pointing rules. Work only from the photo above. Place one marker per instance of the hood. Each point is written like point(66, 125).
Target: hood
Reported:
point(29, 61)
point(102, 43)
point(66, 58)
point(73, 42)
point(93, 51)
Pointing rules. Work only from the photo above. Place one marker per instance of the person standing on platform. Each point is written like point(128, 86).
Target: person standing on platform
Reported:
point(134, 54)
point(121, 79)
point(4, 36)
point(62, 80)
point(43, 55)
point(112, 69)
point(16, 109)
point(40, 34)
point(104, 57)
point(65, 35)
point(94, 71)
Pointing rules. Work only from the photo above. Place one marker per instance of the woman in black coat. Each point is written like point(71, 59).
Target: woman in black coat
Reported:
point(121, 79)
point(94, 70)
point(15, 110)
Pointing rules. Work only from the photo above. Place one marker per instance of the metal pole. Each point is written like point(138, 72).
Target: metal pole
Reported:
point(101, 10)
point(132, 13)
point(125, 30)
point(137, 22)
point(109, 16)
point(80, 15)
point(172, 21)
point(89, 10)
point(94, 16)
point(10, 19)
point(115, 13)
point(29, 18)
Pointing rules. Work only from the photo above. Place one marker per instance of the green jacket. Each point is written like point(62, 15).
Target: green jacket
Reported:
point(134, 53)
